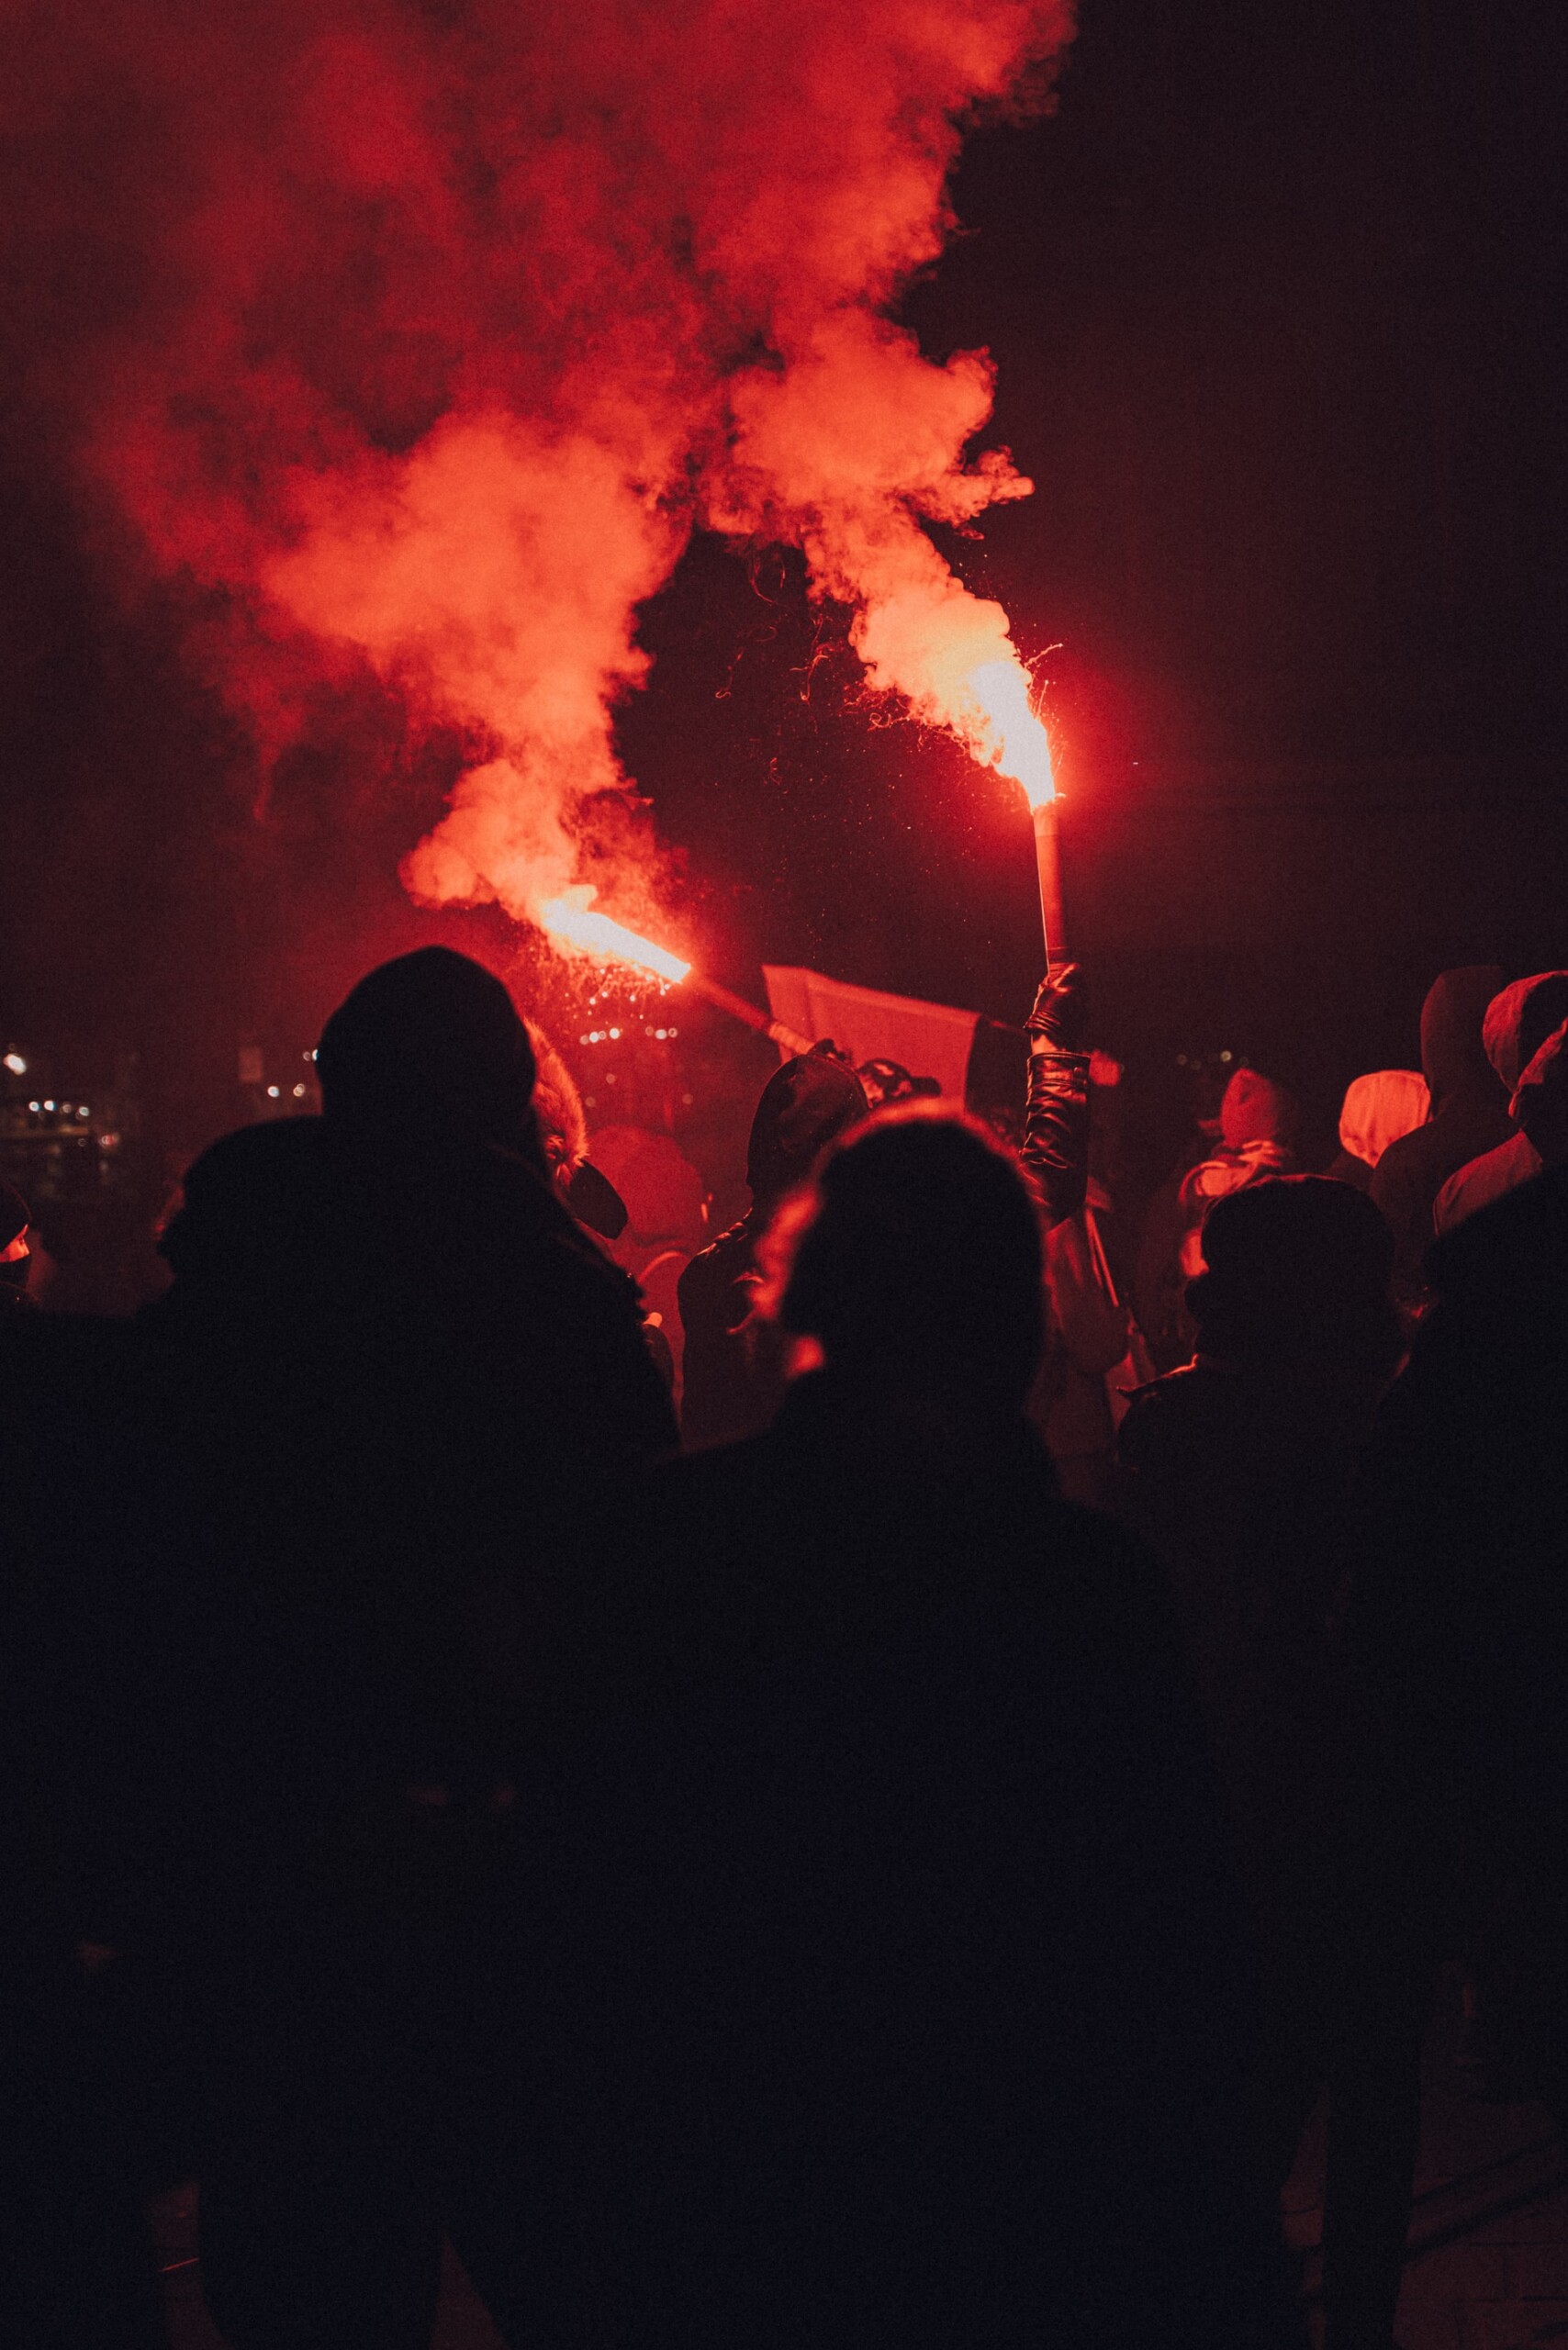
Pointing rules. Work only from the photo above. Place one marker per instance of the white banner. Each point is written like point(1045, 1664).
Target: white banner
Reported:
point(928, 1039)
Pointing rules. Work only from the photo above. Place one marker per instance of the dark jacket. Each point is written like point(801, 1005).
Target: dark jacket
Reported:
point(1467, 1491)
point(387, 1454)
point(914, 2012)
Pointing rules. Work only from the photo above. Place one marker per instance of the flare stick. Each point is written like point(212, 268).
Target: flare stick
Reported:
point(1047, 862)
point(738, 1009)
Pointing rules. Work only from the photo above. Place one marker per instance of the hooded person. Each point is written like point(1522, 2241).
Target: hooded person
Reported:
point(1258, 1124)
point(1378, 1109)
point(1470, 1115)
point(1462, 1607)
point(1520, 1023)
point(733, 1366)
point(1240, 1471)
point(454, 1397)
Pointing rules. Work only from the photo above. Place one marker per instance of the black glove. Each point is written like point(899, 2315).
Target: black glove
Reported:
point(1061, 1017)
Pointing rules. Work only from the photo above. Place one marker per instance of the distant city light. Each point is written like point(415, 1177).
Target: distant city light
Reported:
point(299, 1093)
point(48, 1105)
point(34, 1106)
point(272, 1093)
point(15, 1064)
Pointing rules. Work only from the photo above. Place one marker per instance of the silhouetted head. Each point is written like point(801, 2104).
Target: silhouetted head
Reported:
point(1254, 1109)
point(245, 1203)
point(1297, 1271)
point(805, 1106)
point(1452, 1056)
point(430, 1047)
point(916, 1264)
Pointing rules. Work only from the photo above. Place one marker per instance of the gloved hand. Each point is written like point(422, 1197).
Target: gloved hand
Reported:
point(1059, 1021)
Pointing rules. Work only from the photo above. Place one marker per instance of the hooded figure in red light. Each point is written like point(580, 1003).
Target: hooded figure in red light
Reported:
point(1377, 1110)
point(1258, 1124)
point(1470, 1114)
point(1519, 1023)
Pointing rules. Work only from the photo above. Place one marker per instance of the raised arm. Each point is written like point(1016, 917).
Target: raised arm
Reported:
point(1056, 1116)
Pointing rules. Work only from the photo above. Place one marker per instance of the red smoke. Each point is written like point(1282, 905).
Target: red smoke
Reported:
point(424, 335)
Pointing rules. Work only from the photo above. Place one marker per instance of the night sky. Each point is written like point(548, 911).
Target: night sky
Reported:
point(1275, 299)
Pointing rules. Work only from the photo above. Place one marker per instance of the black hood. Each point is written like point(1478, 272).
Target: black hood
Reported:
point(805, 1106)
point(430, 1047)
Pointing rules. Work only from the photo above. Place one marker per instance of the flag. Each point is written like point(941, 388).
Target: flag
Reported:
point(928, 1039)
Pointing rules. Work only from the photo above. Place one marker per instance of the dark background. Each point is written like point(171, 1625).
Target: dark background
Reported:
point(1275, 302)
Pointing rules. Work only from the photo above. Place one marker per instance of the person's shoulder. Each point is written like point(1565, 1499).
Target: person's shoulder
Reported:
point(1483, 1180)
point(1516, 1238)
point(1400, 1163)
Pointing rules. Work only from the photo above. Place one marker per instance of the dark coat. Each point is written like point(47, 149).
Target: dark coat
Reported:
point(913, 1986)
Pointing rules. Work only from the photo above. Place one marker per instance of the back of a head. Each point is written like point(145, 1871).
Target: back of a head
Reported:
point(1380, 1108)
point(1299, 1266)
point(1519, 1019)
point(920, 1264)
point(805, 1104)
point(1256, 1110)
point(1452, 1056)
point(430, 1048)
point(246, 1201)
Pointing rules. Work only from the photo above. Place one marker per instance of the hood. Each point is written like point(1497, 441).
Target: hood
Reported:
point(1539, 1106)
point(1256, 1110)
point(1380, 1107)
point(805, 1106)
point(1452, 1056)
point(1519, 1020)
point(1294, 1264)
point(431, 1049)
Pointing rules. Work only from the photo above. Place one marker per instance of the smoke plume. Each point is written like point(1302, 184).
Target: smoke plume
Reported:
point(421, 333)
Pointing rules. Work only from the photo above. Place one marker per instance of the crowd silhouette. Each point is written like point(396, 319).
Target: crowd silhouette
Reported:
point(825, 1888)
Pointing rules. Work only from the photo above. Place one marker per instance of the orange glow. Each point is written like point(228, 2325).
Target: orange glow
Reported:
point(1010, 736)
point(570, 919)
